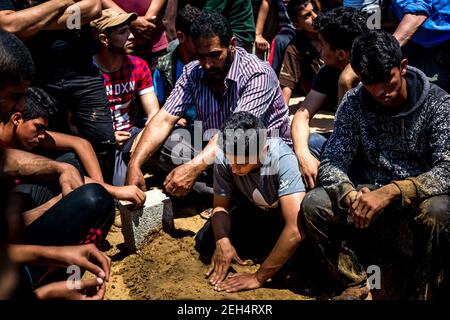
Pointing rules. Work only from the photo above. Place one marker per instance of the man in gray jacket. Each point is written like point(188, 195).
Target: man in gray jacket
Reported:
point(395, 128)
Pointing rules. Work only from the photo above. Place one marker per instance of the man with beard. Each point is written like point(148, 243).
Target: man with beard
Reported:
point(224, 80)
point(126, 78)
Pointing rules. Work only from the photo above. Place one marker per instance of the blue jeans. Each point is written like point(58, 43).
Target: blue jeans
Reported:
point(317, 143)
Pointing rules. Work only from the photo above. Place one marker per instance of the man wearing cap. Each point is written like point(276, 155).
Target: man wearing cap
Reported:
point(126, 78)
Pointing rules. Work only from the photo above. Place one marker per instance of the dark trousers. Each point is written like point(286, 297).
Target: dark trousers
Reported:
point(85, 97)
point(335, 239)
point(253, 233)
point(178, 149)
point(83, 216)
point(434, 62)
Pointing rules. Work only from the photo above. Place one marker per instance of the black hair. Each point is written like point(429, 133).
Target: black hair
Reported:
point(340, 26)
point(38, 104)
point(242, 134)
point(16, 63)
point(211, 24)
point(373, 56)
point(185, 18)
point(294, 6)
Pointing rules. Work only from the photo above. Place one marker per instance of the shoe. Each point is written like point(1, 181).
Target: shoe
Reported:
point(206, 214)
point(117, 220)
point(358, 292)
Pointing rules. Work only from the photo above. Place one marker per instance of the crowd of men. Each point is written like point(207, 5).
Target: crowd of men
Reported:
point(94, 94)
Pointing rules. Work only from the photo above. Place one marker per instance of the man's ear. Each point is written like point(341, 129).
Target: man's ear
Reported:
point(403, 65)
point(233, 43)
point(342, 55)
point(104, 40)
point(181, 36)
point(16, 118)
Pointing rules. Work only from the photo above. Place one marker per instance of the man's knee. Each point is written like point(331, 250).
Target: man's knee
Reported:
point(435, 211)
point(96, 198)
point(316, 206)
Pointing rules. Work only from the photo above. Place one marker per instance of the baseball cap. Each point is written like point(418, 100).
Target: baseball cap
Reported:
point(111, 18)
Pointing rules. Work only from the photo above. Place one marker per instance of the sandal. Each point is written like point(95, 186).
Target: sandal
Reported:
point(206, 214)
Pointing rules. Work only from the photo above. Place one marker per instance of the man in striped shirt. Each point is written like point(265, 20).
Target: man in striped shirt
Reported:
point(224, 80)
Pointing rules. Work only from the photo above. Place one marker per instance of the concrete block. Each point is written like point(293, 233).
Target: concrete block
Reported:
point(138, 225)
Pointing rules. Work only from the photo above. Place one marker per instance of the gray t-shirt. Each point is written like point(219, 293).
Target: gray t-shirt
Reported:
point(278, 176)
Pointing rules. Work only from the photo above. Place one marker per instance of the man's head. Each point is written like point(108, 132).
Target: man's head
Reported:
point(214, 44)
point(337, 30)
point(16, 72)
point(302, 14)
point(376, 58)
point(183, 22)
point(243, 139)
point(112, 31)
point(29, 126)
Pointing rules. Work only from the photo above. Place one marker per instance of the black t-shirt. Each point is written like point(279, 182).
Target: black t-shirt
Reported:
point(57, 54)
point(326, 82)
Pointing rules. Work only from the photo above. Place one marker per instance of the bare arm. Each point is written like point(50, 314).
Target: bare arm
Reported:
point(287, 93)
point(150, 104)
point(224, 254)
point(181, 179)
point(261, 43)
point(26, 23)
point(127, 193)
point(300, 135)
point(20, 163)
point(289, 239)
point(153, 136)
point(82, 148)
point(33, 214)
point(408, 27)
point(110, 4)
point(155, 9)
point(85, 256)
point(89, 10)
point(347, 80)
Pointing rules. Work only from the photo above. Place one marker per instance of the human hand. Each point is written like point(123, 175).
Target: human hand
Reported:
point(143, 27)
point(121, 138)
point(239, 282)
point(261, 43)
point(86, 256)
point(89, 289)
point(181, 179)
point(368, 205)
point(135, 177)
point(129, 193)
point(309, 168)
point(69, 179)
point(182, 122)
point(224, 254)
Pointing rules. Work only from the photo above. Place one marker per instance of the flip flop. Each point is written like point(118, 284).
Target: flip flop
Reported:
point(206, 214)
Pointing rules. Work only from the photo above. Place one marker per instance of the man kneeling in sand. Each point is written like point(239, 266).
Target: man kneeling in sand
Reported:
point(258, 192)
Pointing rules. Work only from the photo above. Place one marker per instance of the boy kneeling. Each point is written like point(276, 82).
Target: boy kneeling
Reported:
point(258, 192)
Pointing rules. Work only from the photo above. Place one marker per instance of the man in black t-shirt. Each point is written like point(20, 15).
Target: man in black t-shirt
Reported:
point(64, 66)
point(337, 30)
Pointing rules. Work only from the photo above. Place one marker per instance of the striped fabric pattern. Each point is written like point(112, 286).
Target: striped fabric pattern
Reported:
point(251, 85)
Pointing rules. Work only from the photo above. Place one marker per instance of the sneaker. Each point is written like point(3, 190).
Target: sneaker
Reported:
point(358, 292)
